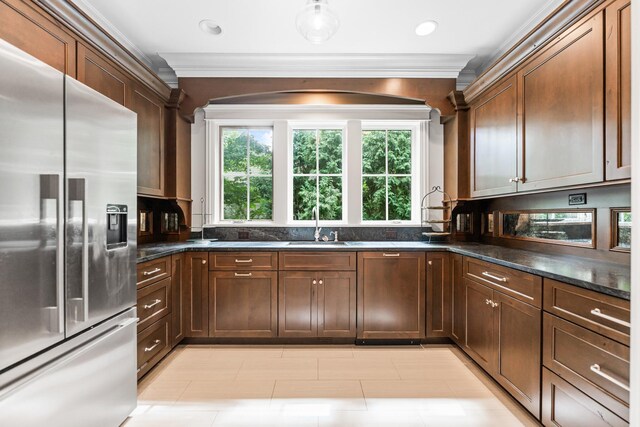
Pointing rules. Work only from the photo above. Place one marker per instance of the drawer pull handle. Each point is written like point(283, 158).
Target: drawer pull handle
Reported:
point(597, 312)
point(243, 274)
point(491, 276)
point(595, 368)
point(155, 344)
point(487, 301)
point(390, 255)
point(150, 272)
point(153, 304)
point(244, 260)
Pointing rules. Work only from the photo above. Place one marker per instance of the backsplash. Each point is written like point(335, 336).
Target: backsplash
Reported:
point(306, 233)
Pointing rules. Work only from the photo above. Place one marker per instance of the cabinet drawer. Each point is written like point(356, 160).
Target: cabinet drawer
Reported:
point(153, 344)
point(566, 406)
point(335, 261)
point(517, 284)
point(607, 315)
point(154, 302)
point(243, 261)
point(594, 364)
point(152, 271)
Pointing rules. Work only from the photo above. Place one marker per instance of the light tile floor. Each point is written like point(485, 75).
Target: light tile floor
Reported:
point(214, 386)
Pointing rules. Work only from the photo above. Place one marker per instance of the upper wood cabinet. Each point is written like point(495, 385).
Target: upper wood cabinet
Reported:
point(562, 108)
point(618, 90)
point(101, 75)
point(494, 141)
point(151, 149)
point(391, 295)
point(27, 29)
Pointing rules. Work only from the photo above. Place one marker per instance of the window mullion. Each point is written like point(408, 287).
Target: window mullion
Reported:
point(247, 177)
point(386, 173)
point(317, 173)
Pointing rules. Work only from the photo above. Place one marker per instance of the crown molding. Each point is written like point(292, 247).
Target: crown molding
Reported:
point(316, 65)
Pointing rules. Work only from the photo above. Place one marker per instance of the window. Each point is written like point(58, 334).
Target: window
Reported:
point(247, 159)
point(317, 173)
point(568, 227)
point(387, 170)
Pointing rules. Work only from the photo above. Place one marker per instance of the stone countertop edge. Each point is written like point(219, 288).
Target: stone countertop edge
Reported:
point(606, 278)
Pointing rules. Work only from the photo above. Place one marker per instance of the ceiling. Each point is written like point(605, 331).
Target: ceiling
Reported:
point(375, 38)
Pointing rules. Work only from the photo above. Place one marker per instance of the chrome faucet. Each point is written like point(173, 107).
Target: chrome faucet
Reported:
point(316, 216)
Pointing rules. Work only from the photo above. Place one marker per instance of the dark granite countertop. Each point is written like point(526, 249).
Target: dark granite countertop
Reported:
point(607, 278)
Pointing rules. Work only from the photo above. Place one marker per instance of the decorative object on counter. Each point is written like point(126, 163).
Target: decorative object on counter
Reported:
point(464, 223)
point(169, 223)
point(621, 229)
point(573, 227)
point(316, 22)
point(488, 223)
point(436, 217)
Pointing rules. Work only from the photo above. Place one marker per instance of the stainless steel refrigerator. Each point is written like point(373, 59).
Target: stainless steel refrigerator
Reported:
point(67, 250)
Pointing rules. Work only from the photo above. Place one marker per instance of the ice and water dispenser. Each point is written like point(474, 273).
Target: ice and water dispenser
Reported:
point(116, 226)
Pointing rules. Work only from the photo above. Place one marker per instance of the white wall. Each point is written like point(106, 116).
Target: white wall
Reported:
point(635, 207)
point(198, 165)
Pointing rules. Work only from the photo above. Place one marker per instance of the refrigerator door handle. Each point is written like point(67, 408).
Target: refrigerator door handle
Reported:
point(79, 304)
point(56, 182)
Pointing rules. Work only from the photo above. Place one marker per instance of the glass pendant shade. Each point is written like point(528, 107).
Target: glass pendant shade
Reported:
point(316, 22)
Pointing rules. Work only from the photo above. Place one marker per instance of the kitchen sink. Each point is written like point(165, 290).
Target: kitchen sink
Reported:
point(313, 243)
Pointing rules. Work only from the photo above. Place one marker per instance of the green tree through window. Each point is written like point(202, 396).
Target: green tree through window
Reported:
point(317, 173)
point(247, 156)
point(386, 175)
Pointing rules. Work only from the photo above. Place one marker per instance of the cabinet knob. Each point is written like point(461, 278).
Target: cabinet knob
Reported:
point(430, 262)
point(314, 282)
point(320, 282)
point(516, 179)
point(204, 261)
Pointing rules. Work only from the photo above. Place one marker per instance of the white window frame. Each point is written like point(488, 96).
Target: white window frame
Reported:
point(320, 125)
point(419, 169)
point(352, 119)
point(247, 174)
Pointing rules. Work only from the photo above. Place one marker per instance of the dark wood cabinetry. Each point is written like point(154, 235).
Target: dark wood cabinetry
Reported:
point(494, 141)
point(618, 89)
point(391, 295)
point(177, 294)
point(438, 311)
point(317, 304)
point(243, 304)
point(100, 75)
point(479, 330)
point(196, 295)
point(458, 301)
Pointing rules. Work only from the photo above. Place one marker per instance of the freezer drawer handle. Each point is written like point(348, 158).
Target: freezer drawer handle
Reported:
point(597, 312)
point(491, 276)
point(153, 304)
point(155, 344)
point(150, 272)
point(244, 260)
point(596, 369)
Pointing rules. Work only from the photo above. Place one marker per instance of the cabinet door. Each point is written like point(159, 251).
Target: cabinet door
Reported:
point(438, 294)
point(297, 304)
point(101, 75)
point(458, 303)
point(243, 304)
point(337, 304)
point(480, 314)
point(151, 149)
point(561, 104)
point(177, 305)
point(618, 90)
point(494, 141)
point(196, 295)
point(391, 295)
point(518, 330)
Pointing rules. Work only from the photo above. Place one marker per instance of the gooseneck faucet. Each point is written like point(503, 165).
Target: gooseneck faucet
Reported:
point(316, 216)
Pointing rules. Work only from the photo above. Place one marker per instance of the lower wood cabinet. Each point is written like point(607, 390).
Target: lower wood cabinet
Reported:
point(153, 344)
point(503, 336)
point(177, 293)
point(458, 301)
point(195, 295)
point(438, 310)
point(391, 295)
point(317, 304)
point(243, 304)
point(566, 406)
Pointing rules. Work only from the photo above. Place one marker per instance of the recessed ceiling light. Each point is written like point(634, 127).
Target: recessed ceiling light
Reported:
point(426, 28)
point(210, 27)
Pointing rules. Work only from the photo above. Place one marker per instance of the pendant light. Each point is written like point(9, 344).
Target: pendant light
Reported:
point(316, 22)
